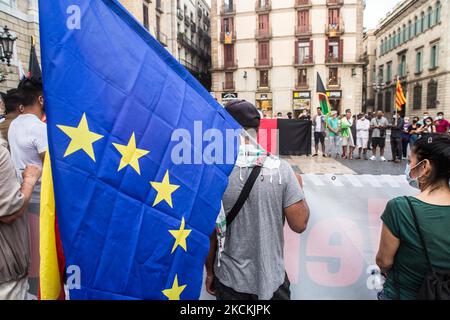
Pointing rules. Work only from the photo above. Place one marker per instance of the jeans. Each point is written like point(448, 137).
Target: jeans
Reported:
point(396, 147)
point(335, 144)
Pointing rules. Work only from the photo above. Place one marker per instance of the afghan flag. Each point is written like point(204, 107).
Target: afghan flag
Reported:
point(323, 98)
point(400, 99)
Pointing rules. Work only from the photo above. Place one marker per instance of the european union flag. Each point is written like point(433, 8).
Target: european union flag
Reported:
point(136, 224)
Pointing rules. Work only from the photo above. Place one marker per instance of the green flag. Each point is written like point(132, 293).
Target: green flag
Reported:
point(323, 98)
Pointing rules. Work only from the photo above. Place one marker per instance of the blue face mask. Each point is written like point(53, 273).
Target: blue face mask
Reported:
point(412, 182)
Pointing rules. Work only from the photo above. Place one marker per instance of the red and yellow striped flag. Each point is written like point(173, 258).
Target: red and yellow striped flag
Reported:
point(51, 285)
point(400, 99)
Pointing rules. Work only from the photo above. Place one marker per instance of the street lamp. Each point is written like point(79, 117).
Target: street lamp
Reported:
point(7, 45)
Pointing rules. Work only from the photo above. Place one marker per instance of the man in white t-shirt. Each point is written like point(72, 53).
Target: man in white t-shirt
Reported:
point(27, 134)
point(362, 129)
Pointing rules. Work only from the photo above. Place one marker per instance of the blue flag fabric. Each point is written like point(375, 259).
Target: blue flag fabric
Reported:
point(134, 224)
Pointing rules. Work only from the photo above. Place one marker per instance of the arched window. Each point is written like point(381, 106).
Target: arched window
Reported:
point(429, 17)
point(438, 12)
point(395, 40)
point(399, 36)
point(432, 94)
point(416, 26)
point(422, 22)
point(382, 47)
point(404, 36)
point(410, 30)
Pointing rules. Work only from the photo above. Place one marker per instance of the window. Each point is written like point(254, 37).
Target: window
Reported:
point(264, 78)
point(434, 56)
point(380, 101)
point(333, 79)
point(263, 53)
point(432, 94)
point(335, 50)
point(333, 17)
point(416, 26)
point(302, 77)
point(382, 47)
point(229, 82)
point(303, 19)
point(404, 36)
point(389, 72)
point(419, 62)
point(381, 74)
point(402, 66)
point(438, 12)
point(145, 14)
point(303, 55)
point(417, 98)
point(399, 37)
point(388, 101)
point(229, 54)
point(390, 43)
point(422, 22)
point(228, 25)
point(429, 17)
point(409, 34)
point(263, 22)
point(395, 40)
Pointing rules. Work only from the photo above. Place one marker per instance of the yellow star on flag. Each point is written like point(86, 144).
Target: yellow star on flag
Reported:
point(180, 236)
point(130, 154)
point(165, 190)
point(81, 138)
point(174, 292)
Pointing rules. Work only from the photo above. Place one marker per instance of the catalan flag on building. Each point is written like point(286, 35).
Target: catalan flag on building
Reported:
point(133, 223)
point(400, 99)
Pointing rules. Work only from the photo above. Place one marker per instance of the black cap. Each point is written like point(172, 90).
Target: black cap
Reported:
point(244, 113)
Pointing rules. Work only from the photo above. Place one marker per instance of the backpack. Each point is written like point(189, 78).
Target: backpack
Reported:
point(436, 284)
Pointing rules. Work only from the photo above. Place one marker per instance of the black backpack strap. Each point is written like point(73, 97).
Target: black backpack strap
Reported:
point(422, 239)
point(244, 194)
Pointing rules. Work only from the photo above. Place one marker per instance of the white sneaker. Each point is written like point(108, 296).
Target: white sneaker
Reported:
point(383, 159)
point(373, 158)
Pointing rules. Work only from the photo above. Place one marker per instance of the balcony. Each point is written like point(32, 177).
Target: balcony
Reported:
point(303, 31)
point(227, 37)
point(180, 14)
point(263, 34)
point(263, 86)
point(303, 4)
point(187, 43)
point(301, 84)
point(230, 65)
point(333, 59)
point(335, 3)
point(159, 6)
point(334, 82)
point(227, 10)
point(228, 86)
point(263, 64)
point(303, 62)
point(335, 30)
point(162, 38)
point(189, 66)
point(265, 7)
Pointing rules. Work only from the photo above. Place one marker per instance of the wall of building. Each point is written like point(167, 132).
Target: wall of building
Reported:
point(405, 12)
point(283, 74)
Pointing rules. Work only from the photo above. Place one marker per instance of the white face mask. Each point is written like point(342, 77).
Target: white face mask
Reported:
point(439, 117)
point(412, 182)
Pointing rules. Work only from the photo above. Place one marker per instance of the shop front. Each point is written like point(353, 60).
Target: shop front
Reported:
point(228, 96)
point(264, 104)
point(301, 103)
point(335, 98)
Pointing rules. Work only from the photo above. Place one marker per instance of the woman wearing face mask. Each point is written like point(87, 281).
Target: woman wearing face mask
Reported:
point(413, 131)
point(428, 126)
point(401, 255)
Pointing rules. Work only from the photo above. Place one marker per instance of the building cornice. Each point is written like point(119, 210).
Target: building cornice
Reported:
point(30, 18)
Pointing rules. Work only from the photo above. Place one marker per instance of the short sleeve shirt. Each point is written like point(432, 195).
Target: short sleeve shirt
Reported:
point(252, 261)
point(410, 262)
point(378, 122)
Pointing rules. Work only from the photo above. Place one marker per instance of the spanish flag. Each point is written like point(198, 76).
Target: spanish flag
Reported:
point(400, 99)
point(51, 286)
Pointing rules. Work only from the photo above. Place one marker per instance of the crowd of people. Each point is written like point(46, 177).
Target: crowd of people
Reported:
point(369, 132)
point(23, 145)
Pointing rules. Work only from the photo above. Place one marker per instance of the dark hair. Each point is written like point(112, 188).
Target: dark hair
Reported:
point(428, 118)
point(435, 148)
point(440, 113)
point(31, 89)
point(13, 99)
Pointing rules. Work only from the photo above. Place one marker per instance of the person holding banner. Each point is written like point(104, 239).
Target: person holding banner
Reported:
point(347, 136)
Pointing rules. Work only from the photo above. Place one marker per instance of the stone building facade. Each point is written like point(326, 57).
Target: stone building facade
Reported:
point(413, 45)
point(21, 17)
point(183, 27)
point(269, 52)
point(369, 71)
